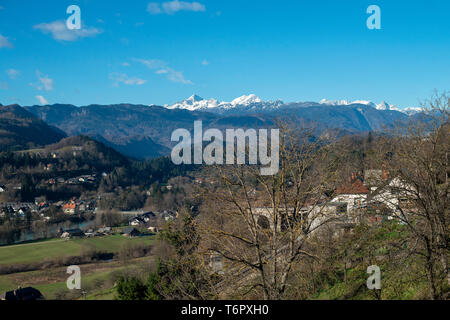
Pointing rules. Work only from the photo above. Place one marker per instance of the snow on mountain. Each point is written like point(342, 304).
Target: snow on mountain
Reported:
point(252, 103)
point(246, 100)
point(334, 102)
point(381, 106)
point(412, 110)
point(346, 102)
point(249, 102)
point(365, 102)
point(193, 103)
point(386, 106)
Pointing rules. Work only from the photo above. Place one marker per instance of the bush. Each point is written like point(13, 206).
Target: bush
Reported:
point(131, 289)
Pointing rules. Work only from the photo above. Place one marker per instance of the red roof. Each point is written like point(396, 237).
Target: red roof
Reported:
point(69, 206)
point(355, 187)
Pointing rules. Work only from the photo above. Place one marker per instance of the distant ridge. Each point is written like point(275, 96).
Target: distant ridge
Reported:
point(21, 129)
point(144, 131)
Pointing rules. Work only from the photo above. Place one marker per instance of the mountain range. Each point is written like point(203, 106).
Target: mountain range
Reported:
point(252, 103)
point(144, 131)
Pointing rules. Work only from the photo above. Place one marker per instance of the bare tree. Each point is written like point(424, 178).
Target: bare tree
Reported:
point(262, 225)
point(418, 162)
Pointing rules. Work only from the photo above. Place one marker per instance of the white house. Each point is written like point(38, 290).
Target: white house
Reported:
point(136, 222)
point(354, 193)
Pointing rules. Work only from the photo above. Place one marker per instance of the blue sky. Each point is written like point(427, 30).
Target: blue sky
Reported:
point(154, 52)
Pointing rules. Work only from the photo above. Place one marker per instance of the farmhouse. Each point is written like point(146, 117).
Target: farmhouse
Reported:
point(72, 233)
point(353, 193)
point(104, 230)
point(130, 232)
point(137, 221)
point(69, 208)
point(147, 216)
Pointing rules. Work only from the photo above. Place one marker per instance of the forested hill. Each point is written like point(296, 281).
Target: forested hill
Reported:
point(20, 129)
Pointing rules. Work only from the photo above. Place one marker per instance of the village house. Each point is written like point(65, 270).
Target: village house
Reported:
point(137, 221)
point(70, 208)
point(372, 199)
point(393, 194)
point(168, 215)
point(104, 230)
point(153, 229)
point(353, 193)
point(147, 216)
point(130, 232)
point(72, 233)
point(376, 195)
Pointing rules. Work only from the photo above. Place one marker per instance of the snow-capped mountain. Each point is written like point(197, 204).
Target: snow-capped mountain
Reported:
point(193, 103)
point(252, 104)
point(380, 106)
point(346, 102)
point(245, 102)
point(386, 106)
point(412, 110)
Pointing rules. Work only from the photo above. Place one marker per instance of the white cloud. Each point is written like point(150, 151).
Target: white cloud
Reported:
point(205, 62)
point(162, 68)
point(154, 8)
point(13, 73)
point(171, 7)
point(123, 78)
point(42, 100)
point(125, 64)
point(59, 31)
point(4, 42)
point(3, 86)
point(46, 83)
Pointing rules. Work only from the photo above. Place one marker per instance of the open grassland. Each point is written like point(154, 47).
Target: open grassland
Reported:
point(97, 279)
point(50, 249)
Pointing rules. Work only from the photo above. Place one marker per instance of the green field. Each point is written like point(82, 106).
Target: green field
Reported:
point(48, 250)
point(97, 279)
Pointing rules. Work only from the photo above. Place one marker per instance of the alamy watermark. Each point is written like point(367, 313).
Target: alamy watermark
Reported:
point(236, 147)
point(374, 281)
point(74, 21)
point(374, 21)
point(74, 281)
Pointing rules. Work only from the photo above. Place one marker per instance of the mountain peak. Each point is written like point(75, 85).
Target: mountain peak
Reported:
point(386, 106)
point(381, 106)
point(195, 102)
point(334, 102)
point(195, 97)
point(344, 102)
point(246, 100)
